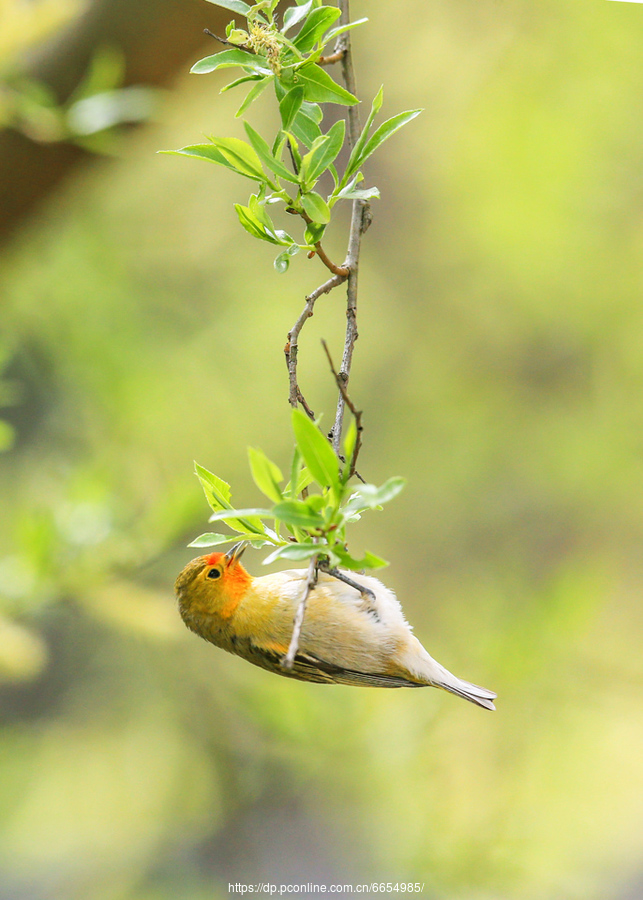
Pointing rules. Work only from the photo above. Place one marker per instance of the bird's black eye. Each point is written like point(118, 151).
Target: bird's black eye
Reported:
point(214, 573)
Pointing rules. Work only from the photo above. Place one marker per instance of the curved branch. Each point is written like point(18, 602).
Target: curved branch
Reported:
point(292, 347)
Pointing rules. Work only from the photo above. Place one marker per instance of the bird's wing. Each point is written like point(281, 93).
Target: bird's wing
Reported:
point(308, 667)
point(339, 675)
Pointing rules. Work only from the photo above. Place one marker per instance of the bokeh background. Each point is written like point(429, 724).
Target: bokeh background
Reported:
point(500, 367)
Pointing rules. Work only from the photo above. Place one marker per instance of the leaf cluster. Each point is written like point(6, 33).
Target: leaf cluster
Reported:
point(310, 514)
point(286, 56)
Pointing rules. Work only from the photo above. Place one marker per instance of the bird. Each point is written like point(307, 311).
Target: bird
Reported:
point(348, 636)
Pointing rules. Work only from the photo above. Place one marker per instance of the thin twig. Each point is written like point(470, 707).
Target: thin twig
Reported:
point(338, 54)
point(306, 408)
point(292, 347)
point(357, 413)
point(229, 43)
point(321, 253)
point(333, 58)
point(342, 271)
point(311, 579)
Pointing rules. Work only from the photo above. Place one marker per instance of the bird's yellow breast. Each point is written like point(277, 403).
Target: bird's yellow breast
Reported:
point(337, 626)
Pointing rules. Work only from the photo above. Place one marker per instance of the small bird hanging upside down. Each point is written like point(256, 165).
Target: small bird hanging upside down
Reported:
point(347, 637)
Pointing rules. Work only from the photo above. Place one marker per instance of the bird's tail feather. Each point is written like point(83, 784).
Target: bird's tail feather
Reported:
point(469, 691)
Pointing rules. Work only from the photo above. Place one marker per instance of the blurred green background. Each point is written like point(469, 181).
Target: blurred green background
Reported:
point(500, 367)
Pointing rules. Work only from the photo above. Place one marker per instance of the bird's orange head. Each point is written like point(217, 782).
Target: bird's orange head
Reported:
point(210, 587)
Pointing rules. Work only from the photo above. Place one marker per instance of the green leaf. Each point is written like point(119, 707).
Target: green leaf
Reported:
point(349, 445)
point(371, 561)
point(293, 551)
point(253, 93)
point(315, 26)
point(368, 561)
point(297, 513)
point(378, 100)
point(217, 493)
point(300, 477)
point(241, 156)
point(262, 150)
point(361, 141)
point(316, 503)
point(237, 6)
point(382, 134)
point(294, 149)
point(316, 207)
point(295, 470)
point(241, 514)
point(243, 164)
point(306, 129)
point(335, 32)
point(238, 81)
point(304, 479)
point(226, 59)
point(358, 194)
point(313, 111)
point(259, 213)
point(251, 224)
point(236, 35)
point(282, 262)
point(316, 451)
point(216, 490)
point(369, 496)
point(319, 87)
point(257, 222)
point(266, 474)
point(254, 226)
point(295, 14)
point(290, 105)
point(211, 540)
point(314, 233)
point(323, 154)
point(203, 151)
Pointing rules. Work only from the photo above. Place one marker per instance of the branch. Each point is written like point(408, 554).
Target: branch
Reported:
point(360, 220)
point(333, 58)
point(357, 413)
point(311, 580)
point(292, 347)
point(341, 271)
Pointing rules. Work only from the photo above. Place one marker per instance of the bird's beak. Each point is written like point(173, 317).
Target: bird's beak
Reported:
point(236, 552)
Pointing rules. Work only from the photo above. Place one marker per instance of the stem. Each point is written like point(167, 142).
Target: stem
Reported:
point(321, 253)
point(357, 413)
point(359, 223)
point(311, 579)
point(333, 58)
point(341, 271)
point(360, 220)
